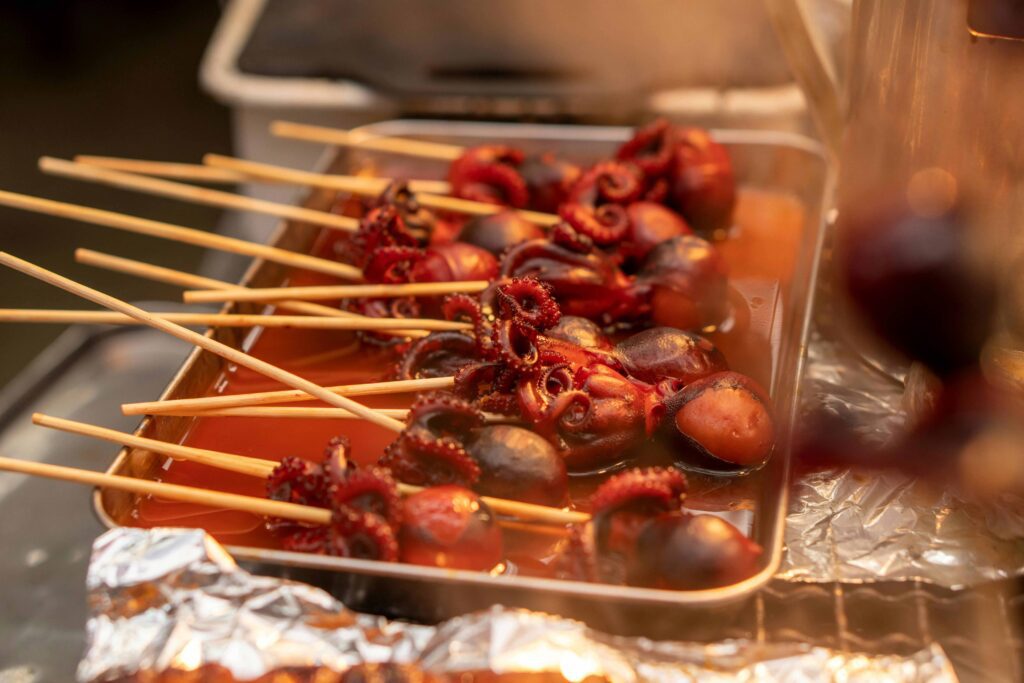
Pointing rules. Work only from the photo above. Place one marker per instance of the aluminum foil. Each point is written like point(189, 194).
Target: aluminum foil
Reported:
point(173, 598)
point(844, 526)
point(166, 599)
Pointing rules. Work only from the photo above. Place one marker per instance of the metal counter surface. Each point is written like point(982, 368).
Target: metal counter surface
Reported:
point(46, 527)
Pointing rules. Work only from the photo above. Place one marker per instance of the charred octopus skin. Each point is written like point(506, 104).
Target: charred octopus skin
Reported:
point(682, 551)
point(518, 464)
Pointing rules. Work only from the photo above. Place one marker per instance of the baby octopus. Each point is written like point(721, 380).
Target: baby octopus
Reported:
point(592, 401)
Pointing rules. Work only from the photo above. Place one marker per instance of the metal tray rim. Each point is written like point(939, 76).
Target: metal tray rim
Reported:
point(607, 592)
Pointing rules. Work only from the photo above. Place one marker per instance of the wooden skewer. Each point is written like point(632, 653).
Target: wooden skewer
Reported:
point(255, 467)
point(168, 169)
point(258, 467)
point(208, 174)
point(287, 413)
point(456, 205)
point(179, 278)
point(343, 138)
point(304, 322)
point(305, 413)
point(191, 193)
point(203, 342)
point(185, 494)
point(331, 292)
point(178, 233)
point(358, 186)
point(364, 185)
point(285, 396)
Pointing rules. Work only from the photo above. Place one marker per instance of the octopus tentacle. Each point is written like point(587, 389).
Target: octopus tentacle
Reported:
point(429, 451)
point(382, 226)
point(371, 490)
point(610, 181)
point(361, 535)
point(439, 354)
point(564, 235)
point(605, 225)
point(528, 302)
point(490, 174)
point(650, 148)
point(655, 488)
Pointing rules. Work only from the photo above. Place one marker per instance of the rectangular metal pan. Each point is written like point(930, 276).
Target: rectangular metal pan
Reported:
point(765, 160)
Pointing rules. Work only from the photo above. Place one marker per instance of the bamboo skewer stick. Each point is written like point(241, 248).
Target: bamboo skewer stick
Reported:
point(185, 494)
point(456, 205)
point(168, 169)
point(208, 174)
point(255, 467)
point(304, 413)
point(258, 467)
point(357, 186)
point(330, 292)
point(305, 322)
point(179, 278)
point(364, 185)
point(343, 138)
point(285, 396)
point(206, 343)
point(198, 195)
point(178, 233)
point(292, 413)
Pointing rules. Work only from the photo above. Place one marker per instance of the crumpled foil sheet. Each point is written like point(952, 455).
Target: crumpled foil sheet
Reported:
point(844, 526)
point(174, 598)
point(166, 599)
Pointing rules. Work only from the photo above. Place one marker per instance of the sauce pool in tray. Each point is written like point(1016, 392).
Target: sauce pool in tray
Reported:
point(761, 252)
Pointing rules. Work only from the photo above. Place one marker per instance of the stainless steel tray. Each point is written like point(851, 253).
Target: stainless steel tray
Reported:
point(773, 161)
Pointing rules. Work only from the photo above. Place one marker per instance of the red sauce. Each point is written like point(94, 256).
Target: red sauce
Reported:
point(761, 253)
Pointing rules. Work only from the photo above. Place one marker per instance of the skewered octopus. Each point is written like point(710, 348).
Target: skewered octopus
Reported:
point(594, 402)
point(680, 282)
point(687, 170)
point(640, 535)
point(440, 526)
point(681, 168)
point(366, 506)
point(499, 174)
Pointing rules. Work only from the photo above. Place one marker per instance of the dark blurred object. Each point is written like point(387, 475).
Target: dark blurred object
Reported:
point(117, 78)
point(996, 18)
point(906, 266)
point(1013, 298)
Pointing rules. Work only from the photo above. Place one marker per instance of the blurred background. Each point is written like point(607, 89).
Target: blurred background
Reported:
point(120, 78)
point(158, 80)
